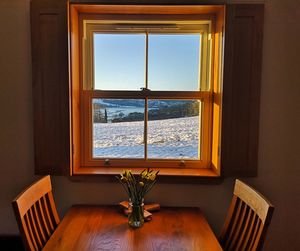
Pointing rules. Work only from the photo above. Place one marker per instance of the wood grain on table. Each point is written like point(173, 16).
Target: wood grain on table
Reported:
point(105, 228)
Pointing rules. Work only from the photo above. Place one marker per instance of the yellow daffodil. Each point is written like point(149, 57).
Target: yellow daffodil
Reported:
point(137, 186)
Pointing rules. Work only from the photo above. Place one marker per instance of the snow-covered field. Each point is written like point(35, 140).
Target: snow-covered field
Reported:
point(169, 138)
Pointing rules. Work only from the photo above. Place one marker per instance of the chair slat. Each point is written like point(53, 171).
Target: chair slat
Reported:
point(47, 213)
point(255, 234)
point(43, 219)
point(35, 232)
point(245, 229)
point(32, 237)
point(54, 213)
point(40, 229)
point(228, 221)
point(238, 229)
point(256, 242)
point(234, 224)
point(250, 230)
point(26, 233)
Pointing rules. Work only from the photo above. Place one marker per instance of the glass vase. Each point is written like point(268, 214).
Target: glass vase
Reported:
point(136, 214)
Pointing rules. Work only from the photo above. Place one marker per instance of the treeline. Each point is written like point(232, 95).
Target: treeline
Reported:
point(175, 111)
point(189, 109)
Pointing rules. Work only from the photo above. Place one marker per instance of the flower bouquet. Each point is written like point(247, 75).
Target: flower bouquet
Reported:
point(136, 188)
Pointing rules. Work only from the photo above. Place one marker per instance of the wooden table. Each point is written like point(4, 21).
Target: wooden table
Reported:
point(105, 228)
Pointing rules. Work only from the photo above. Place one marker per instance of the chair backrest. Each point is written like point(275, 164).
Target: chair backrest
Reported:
point(36, 214)
point(247, 221)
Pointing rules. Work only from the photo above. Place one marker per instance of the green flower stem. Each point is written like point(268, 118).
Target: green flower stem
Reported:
point(138, 186)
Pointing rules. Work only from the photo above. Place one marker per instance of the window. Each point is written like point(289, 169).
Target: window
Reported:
point(58, 131)
point(144, 95)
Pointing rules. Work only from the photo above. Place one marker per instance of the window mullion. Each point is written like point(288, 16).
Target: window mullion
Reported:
point(146, 61)
point(146, 100)
point(146, 128)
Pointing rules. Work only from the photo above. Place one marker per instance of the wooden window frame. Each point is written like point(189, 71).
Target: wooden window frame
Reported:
point(88, 93)
point(82, 161)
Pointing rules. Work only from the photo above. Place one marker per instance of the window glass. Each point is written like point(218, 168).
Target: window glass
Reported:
point(173, 129)
point(118, 128)
point(119, 61)
point(174, 62)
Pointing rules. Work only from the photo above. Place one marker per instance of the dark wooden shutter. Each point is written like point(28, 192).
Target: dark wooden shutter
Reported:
point(241, 89)
point(49, 34)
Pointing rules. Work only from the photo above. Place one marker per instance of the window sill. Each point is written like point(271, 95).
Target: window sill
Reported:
point(177, 172)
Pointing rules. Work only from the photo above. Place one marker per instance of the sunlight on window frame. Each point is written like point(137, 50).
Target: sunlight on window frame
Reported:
point(126, 27)
point(83, 91)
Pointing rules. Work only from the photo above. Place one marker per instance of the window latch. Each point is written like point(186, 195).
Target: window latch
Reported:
point(143, 89)
point(106, 162)
point(182, 163)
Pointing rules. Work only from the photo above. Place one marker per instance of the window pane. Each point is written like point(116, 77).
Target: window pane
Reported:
point(119, 61)
point(174, 62)
point(173, 129)
point(118, 128)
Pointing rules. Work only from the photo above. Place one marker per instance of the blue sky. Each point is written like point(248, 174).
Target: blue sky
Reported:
point(173, 61)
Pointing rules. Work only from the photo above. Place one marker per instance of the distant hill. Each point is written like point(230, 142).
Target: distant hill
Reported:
point(152, 104)
point(127, 110)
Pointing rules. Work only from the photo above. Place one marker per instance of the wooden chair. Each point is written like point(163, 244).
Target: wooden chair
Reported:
point(36, 214)
point(247, 220)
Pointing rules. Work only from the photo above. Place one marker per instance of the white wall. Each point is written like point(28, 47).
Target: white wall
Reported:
point(279, 151)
